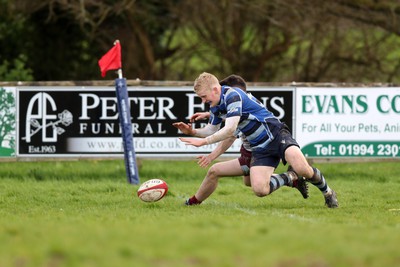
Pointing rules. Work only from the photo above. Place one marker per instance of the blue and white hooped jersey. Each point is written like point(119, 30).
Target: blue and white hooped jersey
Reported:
point(253, 116)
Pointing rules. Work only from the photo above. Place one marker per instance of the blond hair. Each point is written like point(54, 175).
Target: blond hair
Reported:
point(205, 81)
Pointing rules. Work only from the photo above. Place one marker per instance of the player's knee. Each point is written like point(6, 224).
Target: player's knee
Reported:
point(213, 172)
point(261, 191)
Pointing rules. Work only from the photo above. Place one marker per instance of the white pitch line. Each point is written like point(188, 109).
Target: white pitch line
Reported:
point(234, 206)
point(294, 216)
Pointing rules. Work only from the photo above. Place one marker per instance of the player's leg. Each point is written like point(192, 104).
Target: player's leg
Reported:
point(263, 164)
point(244, 161)
point(210, 182)
point(264, 181)
point(260, 177)
point(296, 159)
point(246, 180)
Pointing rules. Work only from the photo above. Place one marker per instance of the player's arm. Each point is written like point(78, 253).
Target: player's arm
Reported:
point(222, 147)
point(227, 131)
point(187, 129)
point(204, 161)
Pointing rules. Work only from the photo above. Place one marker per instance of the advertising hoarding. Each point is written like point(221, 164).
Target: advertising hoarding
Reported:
point(79, 121)
point(348, 122)
point(7, 124)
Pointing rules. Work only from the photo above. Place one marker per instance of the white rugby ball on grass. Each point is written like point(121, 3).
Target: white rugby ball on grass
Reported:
point(152, 190)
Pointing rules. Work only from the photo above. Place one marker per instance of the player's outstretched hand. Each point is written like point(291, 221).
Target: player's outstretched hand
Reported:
point(193, 141)
point(203, 161)
point(185, 128)
point(199, 116)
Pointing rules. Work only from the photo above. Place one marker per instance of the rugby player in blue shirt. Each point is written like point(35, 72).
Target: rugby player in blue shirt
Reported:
point(233, 167)
point(270, 140)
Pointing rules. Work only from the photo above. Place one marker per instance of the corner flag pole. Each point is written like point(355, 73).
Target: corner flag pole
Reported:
point(126, 126)
point(112, 60)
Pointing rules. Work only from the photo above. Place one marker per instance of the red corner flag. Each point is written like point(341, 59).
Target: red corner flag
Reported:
point(111, 60)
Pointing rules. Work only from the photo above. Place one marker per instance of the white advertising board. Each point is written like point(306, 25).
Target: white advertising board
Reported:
point(348, 122)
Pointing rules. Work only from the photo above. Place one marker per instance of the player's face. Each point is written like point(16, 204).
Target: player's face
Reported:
point(210, 97)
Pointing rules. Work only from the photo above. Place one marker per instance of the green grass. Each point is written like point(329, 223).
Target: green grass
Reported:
point(84, 213)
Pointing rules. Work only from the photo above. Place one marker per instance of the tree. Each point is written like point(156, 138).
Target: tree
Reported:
point(270, 41)
point(303, 40)
point(15, 71)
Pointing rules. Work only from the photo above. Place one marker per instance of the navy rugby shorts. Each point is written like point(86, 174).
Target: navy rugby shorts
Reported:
point(275, 151)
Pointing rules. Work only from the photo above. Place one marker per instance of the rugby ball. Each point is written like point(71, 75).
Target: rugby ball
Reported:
point(152, 190)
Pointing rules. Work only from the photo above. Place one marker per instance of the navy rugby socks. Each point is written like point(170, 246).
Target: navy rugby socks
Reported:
point(319, 181)
point(278, 180)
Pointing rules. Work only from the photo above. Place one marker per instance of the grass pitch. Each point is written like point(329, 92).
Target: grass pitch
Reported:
point(84, 213)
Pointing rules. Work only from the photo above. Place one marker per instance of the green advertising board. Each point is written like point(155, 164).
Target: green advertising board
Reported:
point(7, 123)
